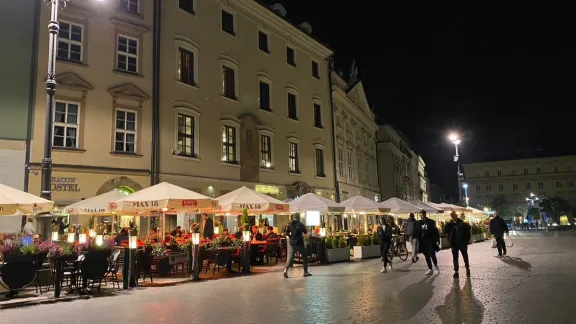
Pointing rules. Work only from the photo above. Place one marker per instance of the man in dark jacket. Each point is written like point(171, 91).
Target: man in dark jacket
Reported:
point(458, 233)
point(498, 227)
point(385, 238)
point(295, 232)
point(411, 236)
point(429, 241)
point(208, 227)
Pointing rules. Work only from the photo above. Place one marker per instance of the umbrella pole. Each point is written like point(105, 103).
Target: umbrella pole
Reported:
point(163, 224)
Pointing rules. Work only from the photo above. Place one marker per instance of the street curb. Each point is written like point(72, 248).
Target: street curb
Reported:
point(43, 301)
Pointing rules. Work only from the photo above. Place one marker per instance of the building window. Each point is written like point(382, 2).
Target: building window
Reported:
point(488, 187)
point(263, 42)
point(229, 144)
point(538, 170)
point(478, 188)
point(228, 22)
point(525, 171)
point(513, 171)
point(265, 96)
point(186, 132)
point(186, 67)
point(515, 186)
point(486, 173)
point(315, 71)
point(499, 173)
point(228, 82)
point(516, 200)
point(540, 185)
point(556, 169)
point(66, 124)
point(341, 161)
point(131, 6)
point(187, 5)
point(127, 54)
point(320, 163)
point(367, 172)
point(350, 166)
point(318, 116)
point(265, 152)
point(359, 165)
point(125, 137)
point(489, 201)
point(571, 184)
point(558, 184)
point(290, 56)
point(70, 38)
point(500, 187)
point(292, 106)
point(293, 158)
point(527, 184)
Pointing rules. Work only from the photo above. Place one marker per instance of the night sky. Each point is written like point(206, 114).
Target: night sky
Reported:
point(506, 84)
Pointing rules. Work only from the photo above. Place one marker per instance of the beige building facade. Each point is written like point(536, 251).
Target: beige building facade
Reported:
point(355, 128)
point(401, 171)
point(517, 179)
point(244, 100)
point(102, 118)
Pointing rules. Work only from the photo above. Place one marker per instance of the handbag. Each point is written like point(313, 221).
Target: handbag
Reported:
point(494, 243)
point(509, 242)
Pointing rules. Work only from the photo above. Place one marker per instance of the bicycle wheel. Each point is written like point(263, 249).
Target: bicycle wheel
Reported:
point(391, 252)
point(402, 251)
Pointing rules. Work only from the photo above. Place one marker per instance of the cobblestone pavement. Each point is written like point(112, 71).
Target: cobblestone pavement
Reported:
point(535, 284)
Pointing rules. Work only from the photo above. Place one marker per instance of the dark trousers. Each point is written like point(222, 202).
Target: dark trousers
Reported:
point(464, 251)
point(384, 248)
point(500, 244)
point(290, 260)
point(429, 254)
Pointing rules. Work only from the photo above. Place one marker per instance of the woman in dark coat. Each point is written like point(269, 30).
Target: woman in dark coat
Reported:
point(385, 238)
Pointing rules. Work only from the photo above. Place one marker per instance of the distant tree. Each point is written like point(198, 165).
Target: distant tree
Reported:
point(501, 205)
point(555, 207)
point(534, 213)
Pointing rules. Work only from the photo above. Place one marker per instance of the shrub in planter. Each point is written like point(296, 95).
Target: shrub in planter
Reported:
point(328, 242)
point(375, 239)
point(365, 249)
point(20, 262)
point(336, 249)
point(342, 242)
point(361, 240)
point(95, 263)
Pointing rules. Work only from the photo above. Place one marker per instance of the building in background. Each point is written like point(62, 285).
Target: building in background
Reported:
point(401, 171)
point(16, 93)
point(515, 180)
point(355, 129)
point(244, 100)
point(102, 119)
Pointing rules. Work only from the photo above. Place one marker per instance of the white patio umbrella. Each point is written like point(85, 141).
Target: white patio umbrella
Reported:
point(426, 207)
point(313, 202)
point(362, 205)
point(163, 197)
point(399, 206)
point(14, 201)
point(96, 206)
point(255, 202)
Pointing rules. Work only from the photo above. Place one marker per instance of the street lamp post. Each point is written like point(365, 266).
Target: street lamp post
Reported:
point(465, 186)
point(455, 139)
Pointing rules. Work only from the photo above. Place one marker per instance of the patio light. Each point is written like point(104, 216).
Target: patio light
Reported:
point(92, 233)
point(246, 236)
point(71, 237)
point(196, 238)
point(133, 242)
point(216, 230)
point(82, 238)
point(99, 240)
point(54, 236)
point(322, 231)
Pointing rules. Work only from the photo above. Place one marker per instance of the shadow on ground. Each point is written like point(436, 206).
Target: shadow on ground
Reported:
point(460, 306)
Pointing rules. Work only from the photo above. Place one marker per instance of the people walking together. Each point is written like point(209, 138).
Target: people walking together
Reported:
point(498, 228)
point(429, 241)
point(459, 234)
point(295, 232)
point(409, 230)
point(385, 239)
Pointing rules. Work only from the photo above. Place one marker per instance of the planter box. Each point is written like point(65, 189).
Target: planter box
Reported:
point(338, 255)
point(366, 252)
point(444, 243)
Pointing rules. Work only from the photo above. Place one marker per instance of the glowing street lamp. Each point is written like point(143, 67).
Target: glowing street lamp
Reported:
point(455, 139)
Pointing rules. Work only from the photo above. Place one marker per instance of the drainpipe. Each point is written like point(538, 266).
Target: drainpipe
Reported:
point(334, 146)
point(31, 93)
point(155, 156)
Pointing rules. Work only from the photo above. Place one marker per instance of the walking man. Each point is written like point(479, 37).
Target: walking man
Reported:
point(458, 233)
point(498, 227)
point(295, 231)
point(410, 233)
point(429, 241)
point(385, 238)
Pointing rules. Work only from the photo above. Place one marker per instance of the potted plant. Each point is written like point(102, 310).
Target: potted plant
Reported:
point(336, 249)
point(160, 253)
point(364, 249)
point(20, 262)
point(195, 228)
point(95, 263)
point(133, 229)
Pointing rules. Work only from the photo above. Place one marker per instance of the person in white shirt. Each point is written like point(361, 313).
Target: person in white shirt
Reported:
point(29, 228)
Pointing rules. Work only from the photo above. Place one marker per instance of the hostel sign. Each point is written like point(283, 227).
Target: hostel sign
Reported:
point(65, 184)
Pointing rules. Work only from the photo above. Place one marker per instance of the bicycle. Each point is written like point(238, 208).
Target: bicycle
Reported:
point(398, 248)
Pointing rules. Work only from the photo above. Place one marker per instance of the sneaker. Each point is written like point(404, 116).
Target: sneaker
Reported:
point(285, 274)
point(456, 275)
point(468, 273)
point(307, 274)
point(390, 265)
point(437, 269)
point(384, 270)
point(428, 272)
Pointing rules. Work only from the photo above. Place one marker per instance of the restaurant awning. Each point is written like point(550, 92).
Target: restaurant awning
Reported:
point(14, 201)
point(362, 205)
point(313, 202)
point(95, 206)
point(399, 206)
point(254, 202)
point(426, 207)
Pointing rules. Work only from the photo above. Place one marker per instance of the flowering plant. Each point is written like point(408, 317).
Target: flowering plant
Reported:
point(107, 245)
point(57, 249)
point(159, 251)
